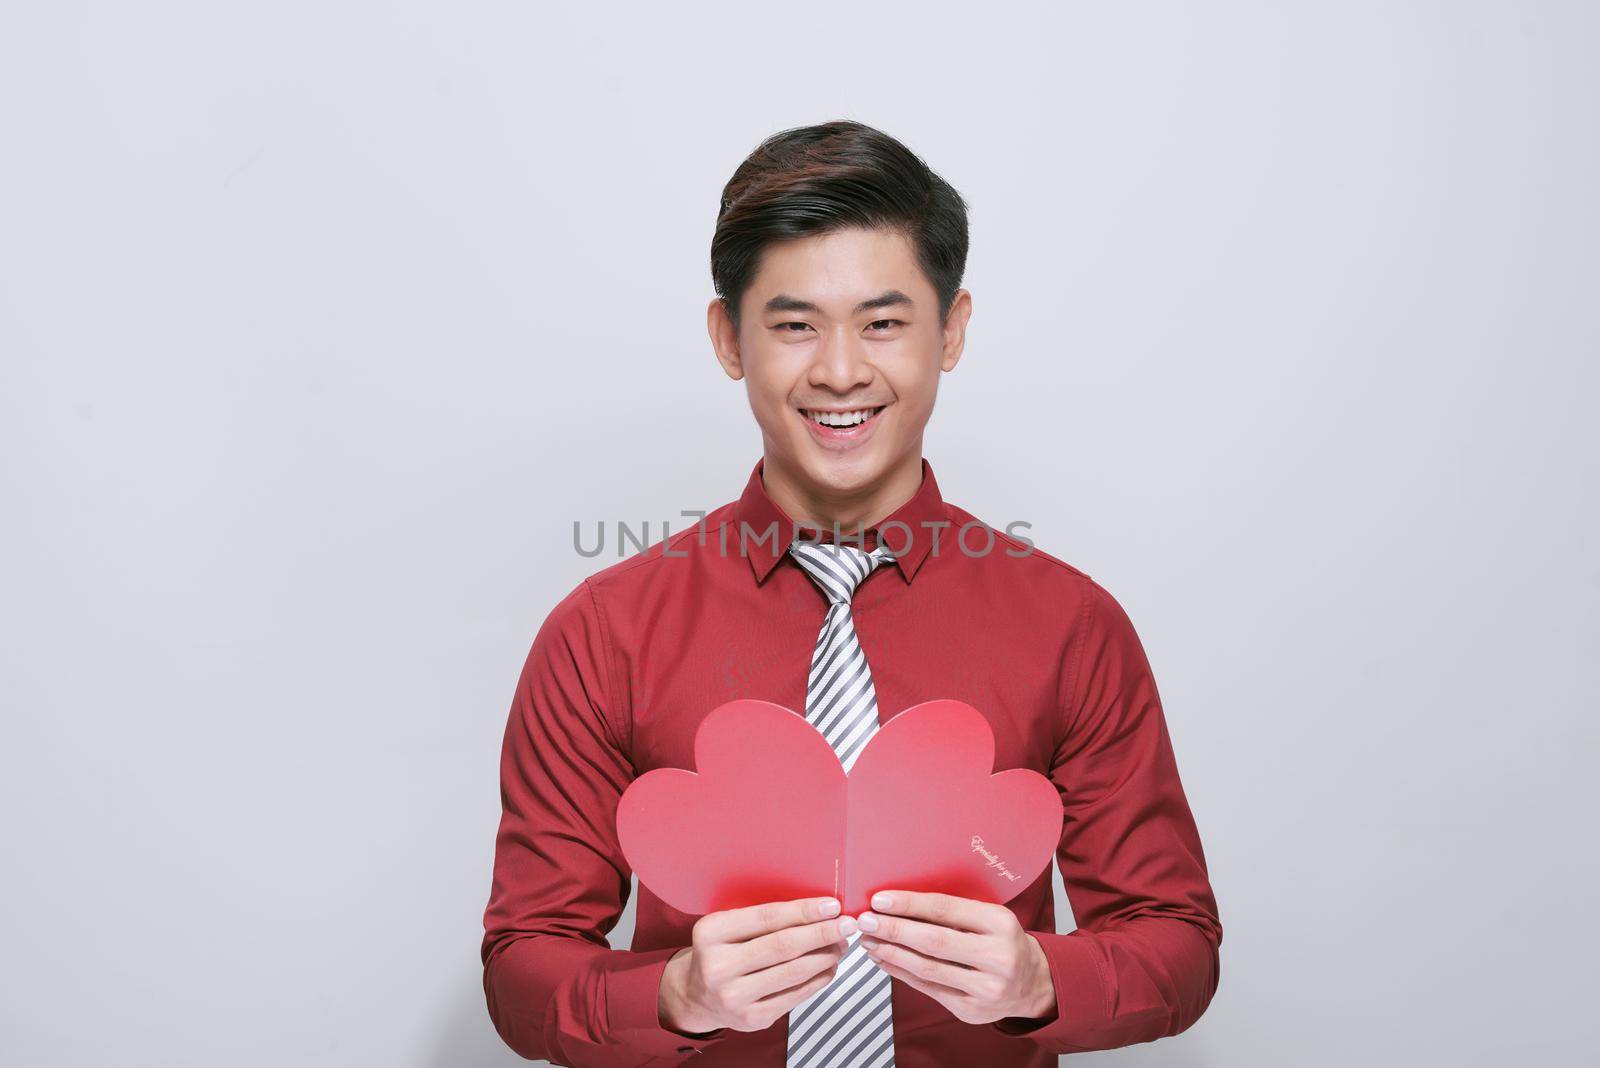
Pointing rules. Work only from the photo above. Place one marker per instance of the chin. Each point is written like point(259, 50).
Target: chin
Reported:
point(842, 473)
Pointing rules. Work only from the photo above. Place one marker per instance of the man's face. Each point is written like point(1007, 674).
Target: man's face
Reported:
point(841, 346)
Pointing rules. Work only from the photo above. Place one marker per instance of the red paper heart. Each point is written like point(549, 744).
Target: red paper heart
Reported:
point(770, 815)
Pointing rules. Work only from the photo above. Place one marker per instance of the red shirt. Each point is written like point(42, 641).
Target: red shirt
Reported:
point(625, 667)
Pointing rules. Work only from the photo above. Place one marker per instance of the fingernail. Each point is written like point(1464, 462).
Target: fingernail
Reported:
point(830, 907)
point(867, 921)
point(882, 900)
point(847, 927)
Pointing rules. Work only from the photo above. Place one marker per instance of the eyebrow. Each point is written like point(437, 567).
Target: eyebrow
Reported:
point(889, 297)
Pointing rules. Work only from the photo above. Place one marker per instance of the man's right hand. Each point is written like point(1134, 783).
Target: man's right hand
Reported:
point(746, 968)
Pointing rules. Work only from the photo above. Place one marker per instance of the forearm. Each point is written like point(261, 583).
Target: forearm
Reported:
point(1147, 978)
point(571, 1002)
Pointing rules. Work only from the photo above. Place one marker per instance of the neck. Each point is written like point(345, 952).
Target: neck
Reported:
point(819, 506)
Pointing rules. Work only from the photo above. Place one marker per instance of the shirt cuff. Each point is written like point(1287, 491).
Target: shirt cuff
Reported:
point(1080, 992)
point(633, 1000)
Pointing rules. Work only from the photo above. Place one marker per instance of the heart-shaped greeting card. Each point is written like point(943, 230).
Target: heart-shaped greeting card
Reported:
point(769, 814)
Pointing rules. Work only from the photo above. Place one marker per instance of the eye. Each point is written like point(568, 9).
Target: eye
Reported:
point(785, 327)
point(885, 324)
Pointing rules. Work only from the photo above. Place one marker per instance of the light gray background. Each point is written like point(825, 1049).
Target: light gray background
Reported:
point(322, 323)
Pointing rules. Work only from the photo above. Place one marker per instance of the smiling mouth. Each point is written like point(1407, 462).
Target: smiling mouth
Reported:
point(831, 420)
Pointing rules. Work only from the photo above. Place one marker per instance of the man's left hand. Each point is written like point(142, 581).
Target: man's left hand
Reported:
point(972, 957)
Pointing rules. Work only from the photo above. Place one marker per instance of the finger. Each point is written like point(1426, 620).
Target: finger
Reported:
point(780, 1003)
point(737, 925)
point(791, 942)
point(948, 996)
point(946, 943)
point(782, 976)
point(946, 910)
point(967, 980)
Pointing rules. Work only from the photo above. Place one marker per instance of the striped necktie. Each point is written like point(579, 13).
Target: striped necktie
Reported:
point(846, 1024)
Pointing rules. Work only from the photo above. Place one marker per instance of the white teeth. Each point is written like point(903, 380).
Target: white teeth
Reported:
point(841, 419)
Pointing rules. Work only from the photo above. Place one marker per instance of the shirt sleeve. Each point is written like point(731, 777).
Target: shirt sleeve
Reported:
point(1143, 963)
point(555, 989)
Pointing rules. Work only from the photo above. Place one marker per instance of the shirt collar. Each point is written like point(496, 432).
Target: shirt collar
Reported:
point(764, 531)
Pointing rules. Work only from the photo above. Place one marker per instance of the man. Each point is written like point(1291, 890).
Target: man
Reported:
point(841, 583)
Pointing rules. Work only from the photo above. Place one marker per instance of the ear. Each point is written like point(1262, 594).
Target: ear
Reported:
point(724, 338)
point(955, 329)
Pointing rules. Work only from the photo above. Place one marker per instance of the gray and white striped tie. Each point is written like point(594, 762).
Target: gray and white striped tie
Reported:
point(846, 1024)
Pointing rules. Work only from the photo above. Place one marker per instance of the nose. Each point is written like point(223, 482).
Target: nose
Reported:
point(840, 363)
